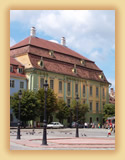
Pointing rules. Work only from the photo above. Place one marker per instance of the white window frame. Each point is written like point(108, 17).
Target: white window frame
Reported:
point(60, 86)
point(41, 82)
point(21, 85)
point(51, 83)
point(12, 83)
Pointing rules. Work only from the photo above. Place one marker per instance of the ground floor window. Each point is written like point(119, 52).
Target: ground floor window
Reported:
point(12, 83)
point(90, 106)
point(60, 86)
point(41, 82)
point(97, 107)
point(90, 120)
point(52, 84)
point(22, 85)
point(97, 119)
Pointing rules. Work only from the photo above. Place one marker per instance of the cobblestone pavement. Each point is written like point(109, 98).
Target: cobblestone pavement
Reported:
point(62, 139)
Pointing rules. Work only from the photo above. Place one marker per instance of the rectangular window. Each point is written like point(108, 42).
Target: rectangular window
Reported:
point(97, 91)
point(103, 104)
point(68, 88)
point(97, 107)
point(76, 88)
point(11, 68)
point(12, 83)
point(84, 91)
point(41, 82)
point(20, 70)
point(22, 85)
point(90, 90)
point(52, 84)
point(60, 86)
point(90, 120)
point(103, 93)
point(90, 106)
point(97, 119)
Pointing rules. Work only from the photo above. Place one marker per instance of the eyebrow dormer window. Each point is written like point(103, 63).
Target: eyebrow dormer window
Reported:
point(82, 62)
point(41, 63)
point(20, 70)
point(51, 53)
point(11, 68)
point(101, 76)
point(74, 70)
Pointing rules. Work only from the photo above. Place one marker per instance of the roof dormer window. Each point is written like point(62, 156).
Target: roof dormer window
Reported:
point(20, 70)
point(82, 62)
point(41, 63)
point(51, 53)
point(11, 68)
point(101, 76)
point(74, 70)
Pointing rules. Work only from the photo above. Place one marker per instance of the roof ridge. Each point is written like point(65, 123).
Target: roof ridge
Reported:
point(48, 45)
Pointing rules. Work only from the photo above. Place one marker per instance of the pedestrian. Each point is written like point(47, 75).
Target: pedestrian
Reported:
point(85, 124)
point(109, 132)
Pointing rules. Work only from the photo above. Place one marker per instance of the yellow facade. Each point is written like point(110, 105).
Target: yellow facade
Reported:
point(34, 83)
point(98, 100)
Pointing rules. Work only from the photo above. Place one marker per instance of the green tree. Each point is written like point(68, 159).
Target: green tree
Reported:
point(62, 110)
point(51, 105)
point(29, 106)
point(82, 110)
point(109, 110)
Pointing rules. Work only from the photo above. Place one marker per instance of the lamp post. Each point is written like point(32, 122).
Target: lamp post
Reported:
point(44, 141)
point(70, 116)
point(18, 124)
point(77, 131)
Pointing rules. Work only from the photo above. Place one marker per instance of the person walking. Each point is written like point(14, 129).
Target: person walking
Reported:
point(109, 132)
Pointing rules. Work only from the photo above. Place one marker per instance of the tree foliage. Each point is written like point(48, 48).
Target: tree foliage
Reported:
point(51, 105)
point(82, 110)
point(29, 105)
point(62, 110)
point(109, 110)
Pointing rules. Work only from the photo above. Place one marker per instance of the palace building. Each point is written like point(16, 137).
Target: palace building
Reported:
point(68, 73)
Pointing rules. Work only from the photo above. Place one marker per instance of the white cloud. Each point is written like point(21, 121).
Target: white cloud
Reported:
point(96, 56)
point(12, 41)
point(86, 31)
point(54, 41)
point(89, 32)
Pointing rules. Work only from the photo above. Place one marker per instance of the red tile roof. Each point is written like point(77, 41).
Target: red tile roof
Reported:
point(38, 42)
point(62, 62)
point(66, 69)
point(19, 75)
point(57, 56)
point(13, 61)
point(16, 64)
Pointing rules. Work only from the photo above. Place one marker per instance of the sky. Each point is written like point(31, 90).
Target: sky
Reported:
point(88, 32)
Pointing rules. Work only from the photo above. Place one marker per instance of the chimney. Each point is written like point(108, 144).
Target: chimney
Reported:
point(33, 32)
point(63, 41)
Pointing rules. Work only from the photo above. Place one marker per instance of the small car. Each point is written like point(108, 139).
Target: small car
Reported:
point(55, 125)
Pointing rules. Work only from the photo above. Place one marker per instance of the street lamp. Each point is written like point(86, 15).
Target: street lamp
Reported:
point(18, 124)
point(44, 141)
point(77, 132)
point(70, 109)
